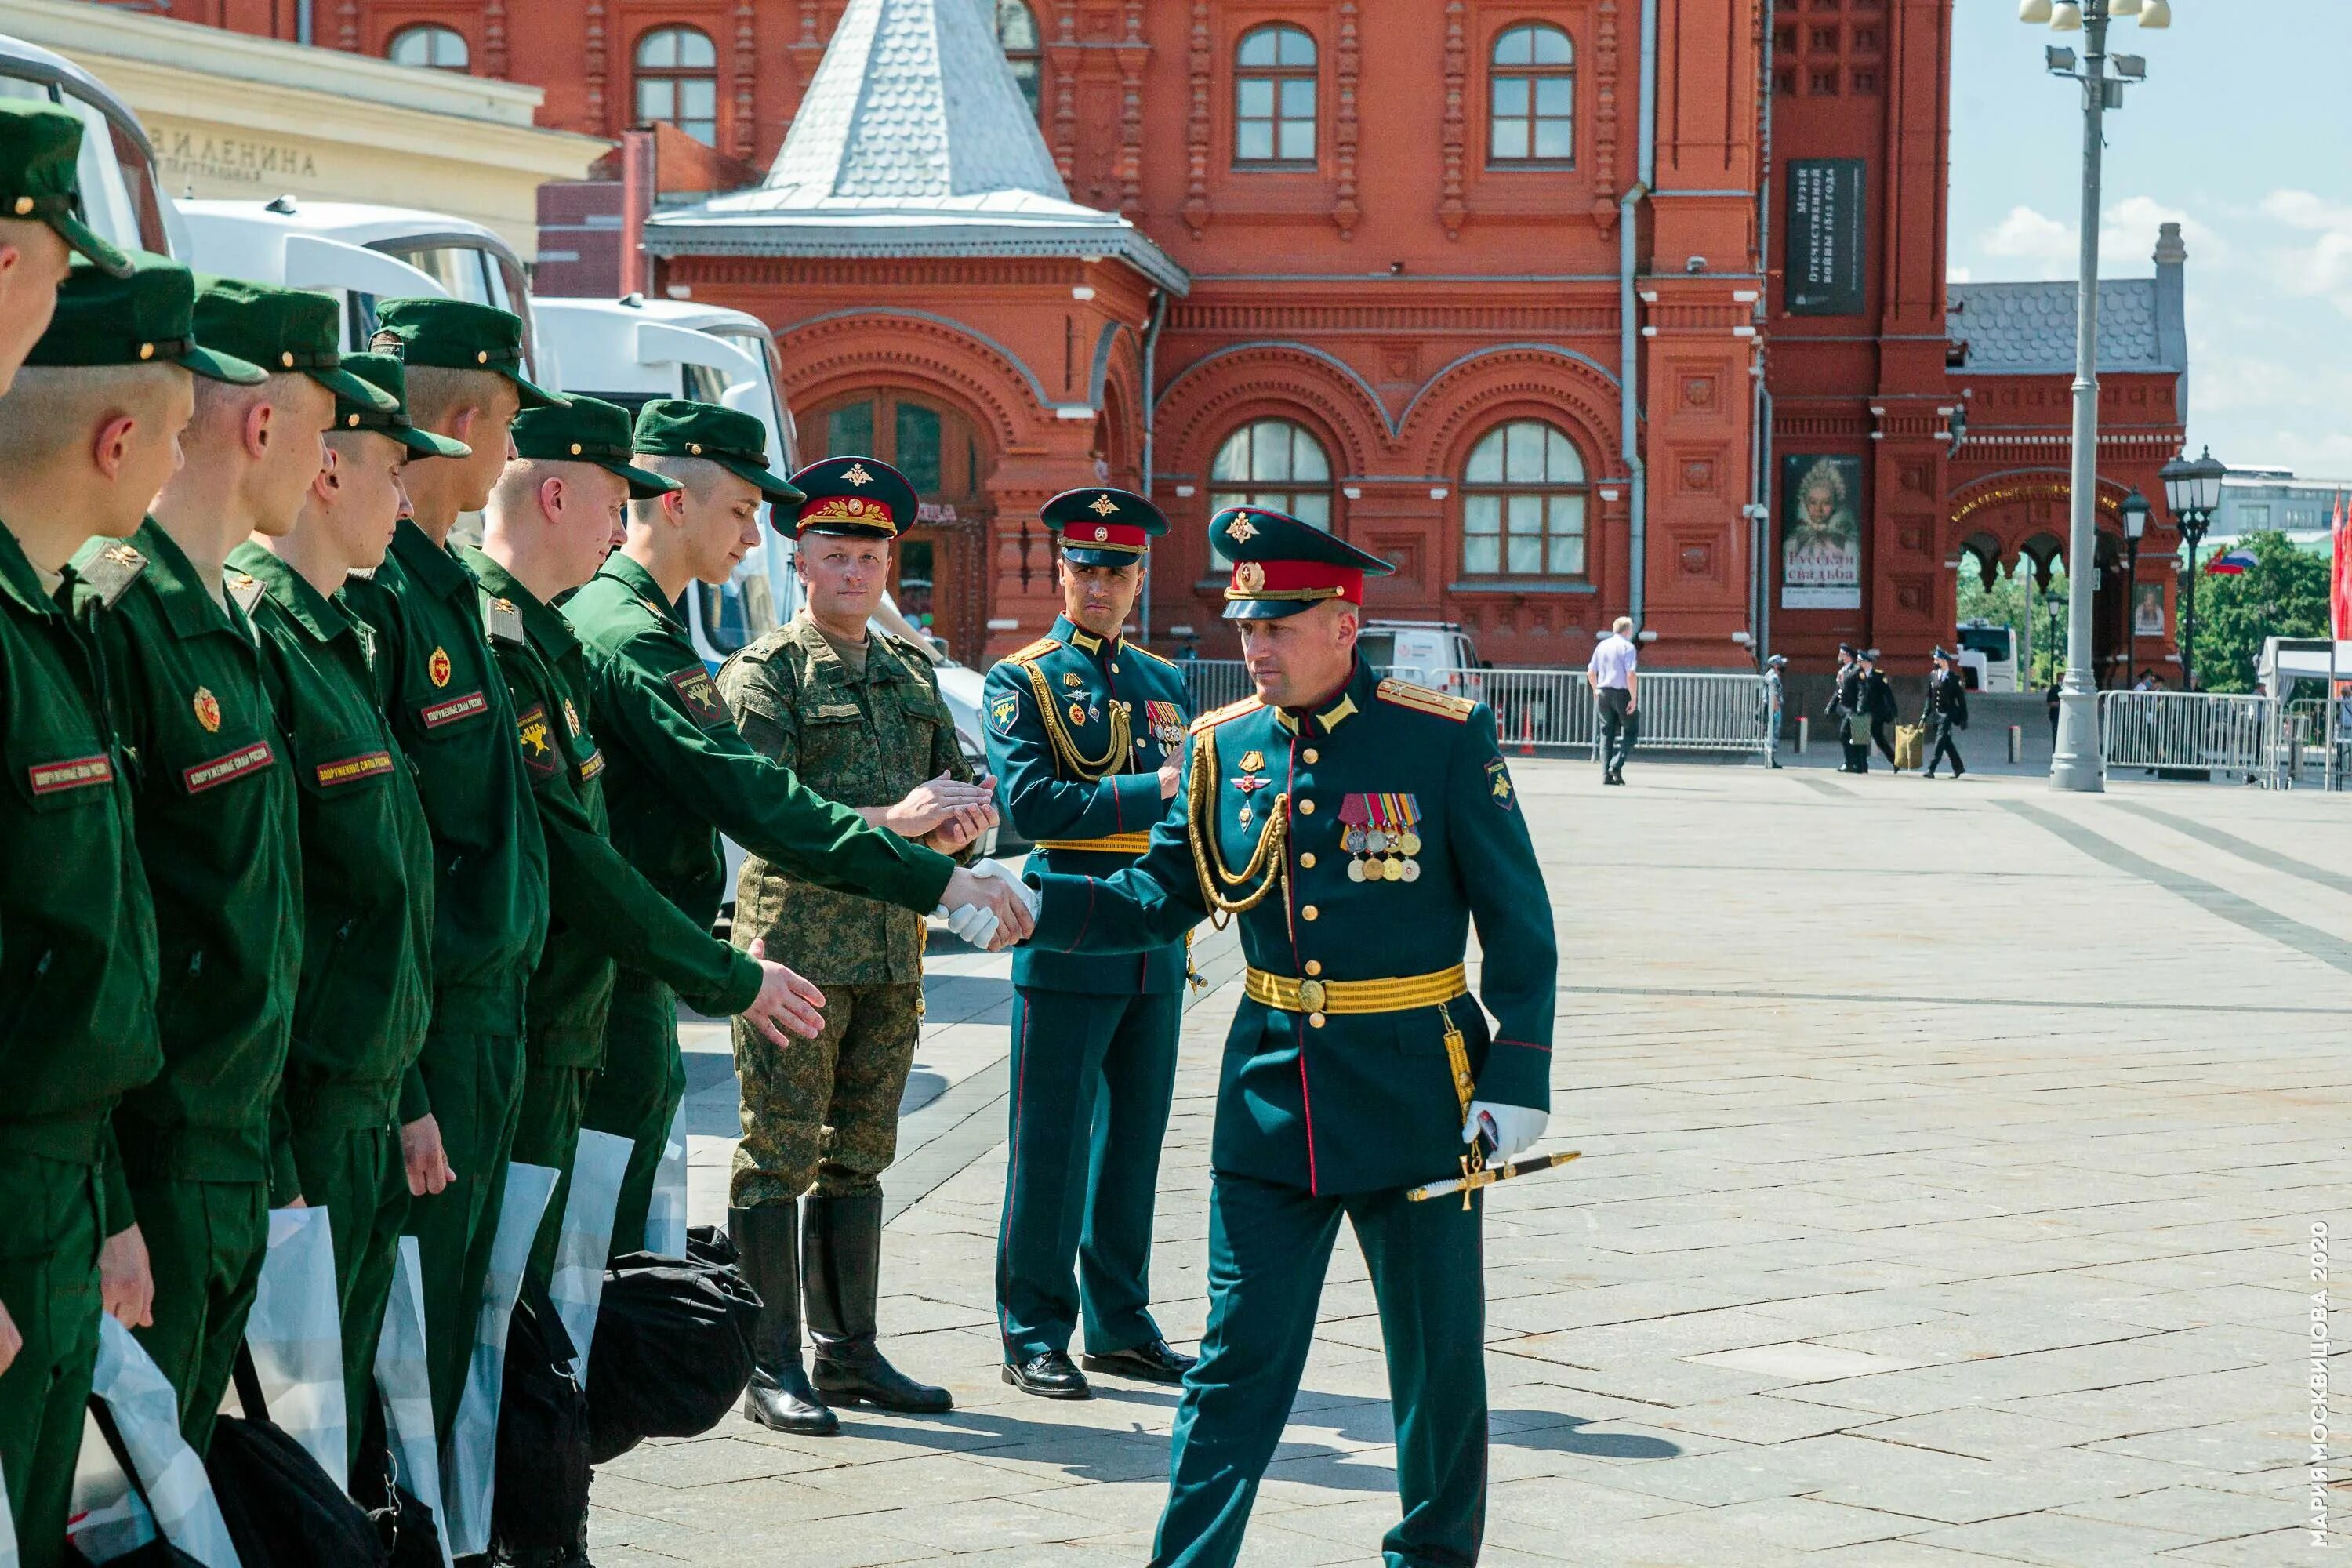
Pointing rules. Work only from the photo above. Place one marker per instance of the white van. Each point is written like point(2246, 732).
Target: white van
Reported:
point(122, 198)
point(1428, 653)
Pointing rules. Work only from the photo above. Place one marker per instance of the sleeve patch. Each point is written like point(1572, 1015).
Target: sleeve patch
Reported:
point(700, 696)
point(537, 746)
point(1004, 712)
point(1498, 782)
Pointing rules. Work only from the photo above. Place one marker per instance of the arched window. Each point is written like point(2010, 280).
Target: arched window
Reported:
point(1523, 504)
point(441, 49)
point(1534, 118)
point(1274, 96)
point(678, 80)
point(1017, 35)
point(1274, 463)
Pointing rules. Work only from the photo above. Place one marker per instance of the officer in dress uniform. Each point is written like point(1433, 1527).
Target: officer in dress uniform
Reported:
point(1356, 827)
point(1946, 711)
point(1086, 731)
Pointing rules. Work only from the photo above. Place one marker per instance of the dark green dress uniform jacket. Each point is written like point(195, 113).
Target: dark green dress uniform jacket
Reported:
point(451, 714)
point(77, 924)
point(855, 741)
point(1053, 803)
point(215, 809)
point(365, 995)
point(678, 773)
point(601, 909)
point(1366, 1101)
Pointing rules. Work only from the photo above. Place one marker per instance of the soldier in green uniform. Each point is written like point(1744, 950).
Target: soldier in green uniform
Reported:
point(1086, 729)
point(88, 434)
point(207, 1144)
point(679, 774)
point(452, 716)
point(365, 992)
point(860, 719)
point(554, 516)
point(1358, 828)
point(41, 224)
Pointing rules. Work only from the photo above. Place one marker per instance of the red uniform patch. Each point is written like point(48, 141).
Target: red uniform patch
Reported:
point(434, 715)
point(74, 773)
point(350, 770)
point(226, 769)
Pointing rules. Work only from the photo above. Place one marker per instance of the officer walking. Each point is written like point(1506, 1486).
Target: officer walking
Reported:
point(207, 1145)
point(1946, 711)
point(1357, 827)
point(88, 435)
point(364, 995)
point(860, 719)
point(452, 717)
point(1844, 709)
point(1878, 707)
point(1087, 730)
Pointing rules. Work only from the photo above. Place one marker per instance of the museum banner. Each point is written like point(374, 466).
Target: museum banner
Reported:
point(1820, 532)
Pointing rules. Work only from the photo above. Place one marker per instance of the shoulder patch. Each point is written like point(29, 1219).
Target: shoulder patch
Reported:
point(245, 591)
point(1424, 700)
point(1155, 658)
point(501, 621)
point(1217, 716)
point(112, 572)
point(538, 747)
point(1038, 649)
point(699, 696)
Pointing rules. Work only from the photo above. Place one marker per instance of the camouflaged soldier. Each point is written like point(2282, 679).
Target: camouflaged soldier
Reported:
point(859, 717)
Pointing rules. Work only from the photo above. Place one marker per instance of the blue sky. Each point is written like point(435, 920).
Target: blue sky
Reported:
point(2243, 133)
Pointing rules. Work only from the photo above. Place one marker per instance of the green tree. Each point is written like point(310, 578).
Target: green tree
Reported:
point(2283, 595)
point(2013, 601)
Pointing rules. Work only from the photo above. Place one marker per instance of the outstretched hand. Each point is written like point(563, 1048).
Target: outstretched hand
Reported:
point(786, 1003)
point(989, 906)
point(934, 802)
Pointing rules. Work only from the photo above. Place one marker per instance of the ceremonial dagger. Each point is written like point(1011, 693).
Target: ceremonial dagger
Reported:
point(1471, 1181)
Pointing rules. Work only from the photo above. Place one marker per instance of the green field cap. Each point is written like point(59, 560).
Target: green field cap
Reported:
point(145, 317)
point(458, 334)
point(40, 154)
point(384, 374)
point(736, 441)
point(286, 331)
point(588, 430)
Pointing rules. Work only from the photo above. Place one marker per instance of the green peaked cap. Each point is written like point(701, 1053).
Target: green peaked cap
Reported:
point(286, 331)
point(736, 441)
point(145, 317)
point(588, 430)
point(458, 334)
point(40, 178)
point(384, 374)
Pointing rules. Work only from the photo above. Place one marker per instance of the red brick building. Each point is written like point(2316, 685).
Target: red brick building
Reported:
point(1414, 269)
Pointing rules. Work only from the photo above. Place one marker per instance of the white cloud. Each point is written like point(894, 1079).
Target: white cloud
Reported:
point(2129, 227)
point(2026, 234)
point(2322, 269)
point(2127, 231)
point(1958, 275)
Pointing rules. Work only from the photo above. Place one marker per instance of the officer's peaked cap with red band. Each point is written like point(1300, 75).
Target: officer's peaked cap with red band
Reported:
point(1102, 526)
point(1282, 565)
point(859, 497)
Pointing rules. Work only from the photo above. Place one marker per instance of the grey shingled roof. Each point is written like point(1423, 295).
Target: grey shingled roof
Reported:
point(2028, 327)
point(913, 139)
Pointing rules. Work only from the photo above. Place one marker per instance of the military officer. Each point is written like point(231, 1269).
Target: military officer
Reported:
point(452, 716)
point(88, 434)
point(677, 771)
point(41, 226)
point(1357, 827)
point(860, 719)
point(365, 995)
point(207, 1144)
point(1087, 730)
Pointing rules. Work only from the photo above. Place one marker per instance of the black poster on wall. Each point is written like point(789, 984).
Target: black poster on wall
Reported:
point(1825, 237)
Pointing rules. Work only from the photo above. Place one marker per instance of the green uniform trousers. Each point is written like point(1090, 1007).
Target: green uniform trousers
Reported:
point(49, 1282)
point(205, 1242)
point(475, 1083)
point(1092, 1080)
point(823, 1113)
point(1268, 1248)
point(358, 1176)
point(636, 1093)
point(547, 1133)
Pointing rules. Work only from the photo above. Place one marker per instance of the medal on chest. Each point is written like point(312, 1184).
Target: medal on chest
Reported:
point(1379, 833)
point(1167, 722)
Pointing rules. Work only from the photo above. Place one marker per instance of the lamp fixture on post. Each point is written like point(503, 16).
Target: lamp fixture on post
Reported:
point(2134, 510)
point(2192, 493)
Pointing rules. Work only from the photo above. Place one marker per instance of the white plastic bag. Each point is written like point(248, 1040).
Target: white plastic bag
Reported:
point(585, 1239)
point(470, 1468)
point(107, 1518)
point(665, 1213)
point(403, 1380)
point(146, 1411)
point(296, 1334)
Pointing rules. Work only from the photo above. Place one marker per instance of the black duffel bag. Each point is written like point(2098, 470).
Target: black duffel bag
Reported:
point(282, 1511)
point(673, 1349)
point(410, 1535)
point(540, 1502)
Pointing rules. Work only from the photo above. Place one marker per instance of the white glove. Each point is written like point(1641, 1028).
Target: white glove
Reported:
point(975, 923)
point(1003, 873)
point(1513, 1129)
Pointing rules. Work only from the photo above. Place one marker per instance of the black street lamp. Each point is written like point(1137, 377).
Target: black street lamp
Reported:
point(2134, 510)
point(2192, 493)
point(2055, 602)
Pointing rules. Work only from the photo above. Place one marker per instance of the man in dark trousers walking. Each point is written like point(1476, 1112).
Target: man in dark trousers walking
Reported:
point(1878, 707)
point(1844, 703)
point(1946, 711)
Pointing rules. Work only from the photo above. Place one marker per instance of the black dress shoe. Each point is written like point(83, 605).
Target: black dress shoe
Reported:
point(780, 1398)
point(870, 1379)
point(1048, 1376)
point(1150, 1362)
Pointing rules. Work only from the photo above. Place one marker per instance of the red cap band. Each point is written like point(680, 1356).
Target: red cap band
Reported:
point(1106, 535)
point(1297, 580)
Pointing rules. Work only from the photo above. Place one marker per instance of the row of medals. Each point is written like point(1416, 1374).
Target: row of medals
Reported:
point(1382, 856)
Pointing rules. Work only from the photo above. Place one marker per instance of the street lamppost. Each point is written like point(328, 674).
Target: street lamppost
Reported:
point(2074, 759)
point(2192, 492)
point(2135, 511)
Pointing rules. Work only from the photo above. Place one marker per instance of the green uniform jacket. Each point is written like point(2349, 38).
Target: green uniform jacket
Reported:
point(1367, 1101)
point(451, 714)
point(678, 774)
point(601, 909)
point(77, 925)
point(1047, 798)
point(857, 740)
point(367, 860)
point(214, 805)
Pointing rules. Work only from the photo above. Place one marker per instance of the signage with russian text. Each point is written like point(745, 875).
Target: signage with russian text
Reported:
point(1825, 237)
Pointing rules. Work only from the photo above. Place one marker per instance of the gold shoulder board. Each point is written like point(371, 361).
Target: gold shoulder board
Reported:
point(246, 590)
point(1217, 716)
point(1423, 699)
point(1038, 649)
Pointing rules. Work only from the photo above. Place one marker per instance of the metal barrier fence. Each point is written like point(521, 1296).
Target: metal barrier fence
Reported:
point(2230, 733)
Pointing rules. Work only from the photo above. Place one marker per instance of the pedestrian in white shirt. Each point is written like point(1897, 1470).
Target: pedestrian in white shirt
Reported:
point(1617, 688)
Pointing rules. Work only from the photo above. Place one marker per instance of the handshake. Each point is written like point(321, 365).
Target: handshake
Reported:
point(988, 906)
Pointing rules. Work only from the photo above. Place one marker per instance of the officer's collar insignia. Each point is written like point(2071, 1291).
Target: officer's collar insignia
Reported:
point(1332, 717)
point(207, 708)
point(1082, 638)
point(1243, 530)
point(856, 474)
point(1103, 507)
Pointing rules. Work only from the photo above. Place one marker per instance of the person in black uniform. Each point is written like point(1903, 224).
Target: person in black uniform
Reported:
point(1846, 702)
point(1878, 707)
point(1946, 711)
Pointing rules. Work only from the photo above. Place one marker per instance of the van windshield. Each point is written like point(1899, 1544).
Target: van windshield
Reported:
point(467, 272)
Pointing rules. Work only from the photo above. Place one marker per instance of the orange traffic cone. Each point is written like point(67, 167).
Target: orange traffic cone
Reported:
point(1526, 732)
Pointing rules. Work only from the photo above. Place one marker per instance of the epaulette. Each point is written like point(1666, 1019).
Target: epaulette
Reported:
point(501, 621)
point(245, 590)
point(1217, 716)
point(1038, 649)
point(913, 649)
point(112, 572)
point(1423, 699)
point(1138, 647)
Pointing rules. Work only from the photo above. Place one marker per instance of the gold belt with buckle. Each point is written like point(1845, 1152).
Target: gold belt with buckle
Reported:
point(1108, 844)
point(1397, 995)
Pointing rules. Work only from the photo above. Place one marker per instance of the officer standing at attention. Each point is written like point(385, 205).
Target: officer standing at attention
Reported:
point(365, 995)
point(678, 774)
point(860, 721)
point(207, 1145)
point(1087, 730)
point(87, 437)
point(451, 714)
point(1357, 827)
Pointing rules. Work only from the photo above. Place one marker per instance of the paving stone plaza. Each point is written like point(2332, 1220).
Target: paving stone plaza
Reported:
point(1951, 1159)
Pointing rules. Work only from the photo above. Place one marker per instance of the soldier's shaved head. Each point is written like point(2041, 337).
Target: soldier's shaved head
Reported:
point(476, 407)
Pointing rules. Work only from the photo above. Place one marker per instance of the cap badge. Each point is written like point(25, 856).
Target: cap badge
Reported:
point(1102, 534)
point(23, 205)
point(437, 666)
point(856, 474)
point(481, 356)
point(286, 358)
point(1249, 576)
point(1241, 529)
point(146, 351)
point(389, 343)
point(353, 420)
point(1103, 507)
point(208, 707)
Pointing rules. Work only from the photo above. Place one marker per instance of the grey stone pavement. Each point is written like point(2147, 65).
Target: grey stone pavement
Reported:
point(1951, 1158)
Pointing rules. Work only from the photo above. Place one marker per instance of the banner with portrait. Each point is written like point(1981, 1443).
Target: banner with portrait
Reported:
point(1821, 532)
point(2147, 609)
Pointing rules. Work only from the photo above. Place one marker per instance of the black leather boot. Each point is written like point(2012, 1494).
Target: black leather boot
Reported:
point(778, 1397)
point(844, 1277)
